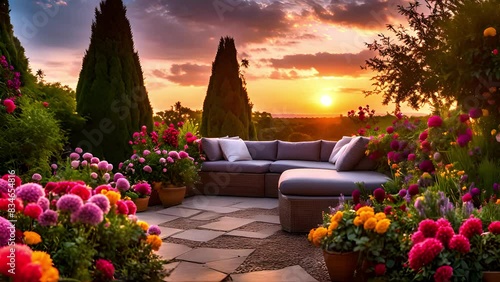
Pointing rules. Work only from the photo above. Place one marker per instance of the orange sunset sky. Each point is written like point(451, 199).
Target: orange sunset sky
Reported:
point(304, 56)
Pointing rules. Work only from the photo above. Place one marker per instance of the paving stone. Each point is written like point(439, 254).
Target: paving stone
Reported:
point(291, 273)
point(260, 203)
point(267, 218)
point(198, 235)
point(204, 255)
point(181, 212)
point(187, 271)
point(201, 202)
point(155, 218)
point(167, 231)
point(248, 234)
point(170, 251)
point(227, 223)
point(226, 265)
point(221, 209)
point(206, 216)
point(168, 267)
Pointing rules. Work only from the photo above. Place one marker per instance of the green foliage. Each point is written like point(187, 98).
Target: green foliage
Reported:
point(110, 92)
point(227, 109)
point(30, 139)
point(178, 113)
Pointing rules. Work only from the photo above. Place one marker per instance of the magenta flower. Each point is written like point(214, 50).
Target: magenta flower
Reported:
point(9, 105)
point(463, 118)
point(89, 214)
point(443, 273)
point(101, 201)
point(84, 163)
point(132, 208)
point(411, 157)
point(106, 177)
point(121, 207)
point(183, 155)
point(122, 184)
point(44, 203)
point(87, 156)
point(463, 140)
point(93, 175)
point(426, 166)
point(423, 136)
point(117, 176)
point(30, 192)
point(53, 166)
point(48, 218)
point(74, 156)
point(75, 164)
point(142, 160)
point(174, 155)
point(147, 169)
point(467, 197)
point(390, 129)
point(36, 177)
point(146, 152)
point(142, 188)
point(154, 230)
point(103, 165)
point(494, 227)
point(78, 150)
point(379, 194)
point(413, 189)
point(460, 243)
point(69, 203)
point(428, 227)
point(105, 267)
point(170, 160)
point(475, 113)
point(356, 195)
point(6, 228)
point(94, 160)
point(434, 121)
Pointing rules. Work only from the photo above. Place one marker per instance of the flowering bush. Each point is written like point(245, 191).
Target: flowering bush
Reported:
point(139, 190)
point(90, 234)
point(9, 85)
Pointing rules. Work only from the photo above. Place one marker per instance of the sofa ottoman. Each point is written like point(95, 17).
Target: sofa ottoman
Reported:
point(305, 193)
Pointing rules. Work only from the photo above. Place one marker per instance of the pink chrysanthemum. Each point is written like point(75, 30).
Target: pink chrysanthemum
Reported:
point(44, 203)
point(101, 201)
point(460, 243)
point(423, 136)
point(74, 156)
point(87, 156)
point(10, 106)
point(132, 208)
point(117, 176)
point(443, 222)
point(174, 155)
point(413, 189)
point(147, 169)
point(90, 214)
point(428, 227)
point(48, 218)
point(443, 274)
point(143, 188)
point(183, 155)
point(4, 186)
point(33, 210)
point(102, 165)
point(36, 177)
point(424, 252)
point(5, 230)
point(379, 194)
point(122, 184)
point(417, 237)
point(30, 192)
point(471, 227)
point(154, 230)
point(434, 121)
point(463, 140)
point(23, 257)
point(467, 197)
point(69, 203)
point(106, 268)
point(494, 227)
point(444, 234)
point(121, 207)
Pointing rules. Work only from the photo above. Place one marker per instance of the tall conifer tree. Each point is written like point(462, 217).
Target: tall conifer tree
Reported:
point(227, 109)
point(110, 91)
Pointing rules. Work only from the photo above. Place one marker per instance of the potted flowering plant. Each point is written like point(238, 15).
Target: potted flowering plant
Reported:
point(140, 194)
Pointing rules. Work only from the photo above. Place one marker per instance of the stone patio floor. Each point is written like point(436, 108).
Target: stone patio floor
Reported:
point(213, 264)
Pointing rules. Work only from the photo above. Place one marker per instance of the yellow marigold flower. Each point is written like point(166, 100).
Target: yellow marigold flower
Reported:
point(363, 209)
point(426, 175)
point(498, 202)
point(490, 31)
point(113, 197)
point(32, 238)
point(310, 235)
point(43, 259)
point(380, 216)
point(51, 275)
point(318, 235)
point(366, 215)
point(357, 221)
point(394, 166)
point(144, 225)
point(154, 241)
point(333, 225)
point(493, 132)
point(337, 217)
point(442, 174)
point(382, 226)
point(370, 224)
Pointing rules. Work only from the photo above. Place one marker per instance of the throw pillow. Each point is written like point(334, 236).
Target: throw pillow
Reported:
point(354, 152)
point(340, 153)
point(234, 150)
point(344, 141)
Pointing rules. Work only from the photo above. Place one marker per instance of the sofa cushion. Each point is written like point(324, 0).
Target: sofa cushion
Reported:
point(354, 152)
point(212, 148)
point(262, 150)
point(322, 182)
point(305, 151)
point(255, 166)
point(326, 149)
point(340, 153)
point(280, 166)
point(366, 164)
point(234, 150)
point(344, 141)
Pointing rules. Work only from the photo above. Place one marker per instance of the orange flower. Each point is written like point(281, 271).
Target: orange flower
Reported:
point(154, 241)
point(32, 238)
point(144, 225)
point(490, 31)
point(357, 221)
point(337, 217)
point(370, 224)
point(318, 235)
point(382, 226)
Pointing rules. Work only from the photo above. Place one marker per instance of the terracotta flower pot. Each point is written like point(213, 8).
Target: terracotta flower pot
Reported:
point(141, 203)
point(341, 266)
point(170, 195)
point(491, 276)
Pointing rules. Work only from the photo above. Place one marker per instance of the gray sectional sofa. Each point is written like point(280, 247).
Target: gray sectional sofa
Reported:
point(300, 174)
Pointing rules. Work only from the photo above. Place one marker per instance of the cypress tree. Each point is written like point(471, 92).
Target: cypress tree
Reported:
point(10, 46)
point(110, 93)
point(227, 109)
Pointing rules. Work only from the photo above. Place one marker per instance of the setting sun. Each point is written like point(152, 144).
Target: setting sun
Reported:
point(326, 100)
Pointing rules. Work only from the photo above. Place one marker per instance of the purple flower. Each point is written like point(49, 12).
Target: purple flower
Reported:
point(468, 208)
point(75, 164)
point(36, 177)
point(90, 214)
point(434, 121)
point(170, 160)
point(402, 193)
point(103, 165)
point(183, 155)
point(106, 177)
point(93, 175)
point(426, 166)
point(154, 230)
point(117, 176)
point(53, 166)
point(4, 186)
point(495, 187)
point(419, 207)
point(122, 184)
point(48, 218)
point(74, 156)
point(463, 140)
point(411, 157)
point(475, 113)
point(395, 145)
point(174, 155)
point(78, 150)
point(133, 157)
point(87, 156)
point(379, 195)
point(44, 203)
point(475, 191)
point(142, 160)
point(413, 190)
point(143, 188)
point(101, 201)
point(6, 229)
point(69, 203)
point(147, 169)
point(146, 152)
point(30, 192)
point(94, 160)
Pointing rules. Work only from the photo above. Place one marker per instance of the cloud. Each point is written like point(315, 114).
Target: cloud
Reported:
point(350, 90)
point(185, 74)
point(364, 14)
point(326, 64)
point(284, 75)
